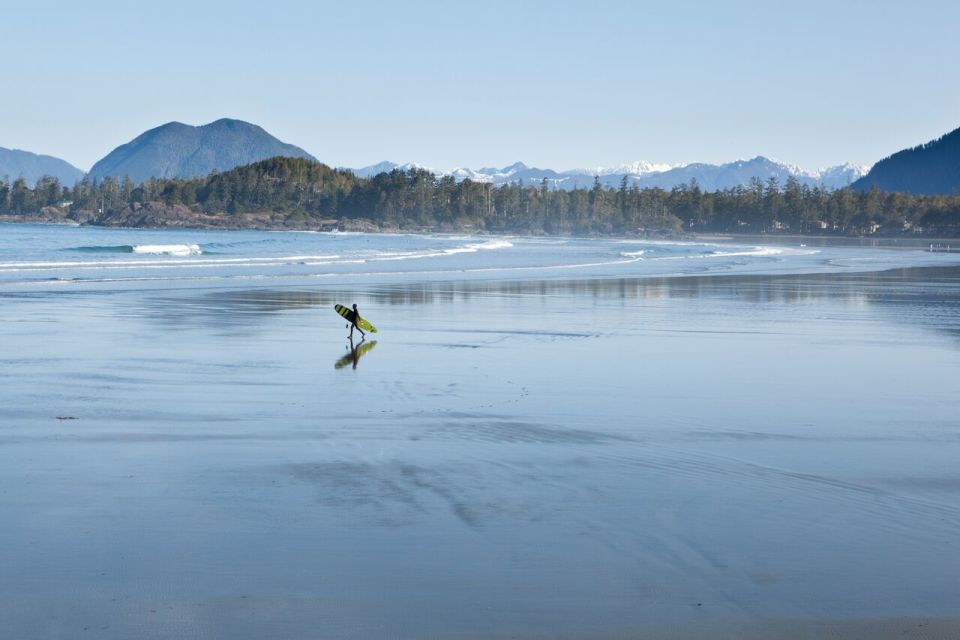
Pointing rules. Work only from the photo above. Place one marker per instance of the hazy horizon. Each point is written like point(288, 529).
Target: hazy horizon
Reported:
point(554, 85)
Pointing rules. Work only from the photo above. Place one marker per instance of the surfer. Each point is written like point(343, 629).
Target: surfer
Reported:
point(355, 323)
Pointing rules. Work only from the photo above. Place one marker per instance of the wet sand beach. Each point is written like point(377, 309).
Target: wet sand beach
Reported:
point(743, 456)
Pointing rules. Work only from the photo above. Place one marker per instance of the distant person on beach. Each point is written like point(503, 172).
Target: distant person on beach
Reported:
point(355, 323)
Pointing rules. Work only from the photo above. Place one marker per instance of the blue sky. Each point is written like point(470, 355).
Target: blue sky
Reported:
point(556, 84)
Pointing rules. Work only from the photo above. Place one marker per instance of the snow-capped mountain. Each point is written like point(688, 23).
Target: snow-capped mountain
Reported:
point(635, 168)
point(386, 167)
point(381, 167)
point(709, 177)
point(470, 174)
point(842, 175)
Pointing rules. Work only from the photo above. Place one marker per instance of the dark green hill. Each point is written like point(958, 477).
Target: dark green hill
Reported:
point(930, 169)
point(15, 163)
point(177, 150)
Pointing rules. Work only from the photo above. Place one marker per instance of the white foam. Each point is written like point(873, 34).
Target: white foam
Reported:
point(632, 254)
point(492, 244)
point(756, 251)
point(772, 251)
point(181, 250)
point(478, 246)
point(472, 247)
point(753, 252)
point(147, 263)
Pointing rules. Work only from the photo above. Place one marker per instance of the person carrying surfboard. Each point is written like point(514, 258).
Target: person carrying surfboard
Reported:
point(355, 323)
point(353, 317)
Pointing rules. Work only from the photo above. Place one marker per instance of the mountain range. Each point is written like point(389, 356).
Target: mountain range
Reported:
point(710, 177)
point(177, 150)
point(184, 151)
point(929, 169)
point(15, 163)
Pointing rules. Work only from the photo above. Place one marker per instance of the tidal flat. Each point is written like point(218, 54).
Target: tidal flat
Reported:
point(732, 456)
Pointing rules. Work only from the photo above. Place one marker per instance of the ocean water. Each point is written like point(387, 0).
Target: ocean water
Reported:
point(547, 437)
point(56, 256)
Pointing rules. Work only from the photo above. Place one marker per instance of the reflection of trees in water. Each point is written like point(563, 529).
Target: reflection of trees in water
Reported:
point(252, 300)
point(922, 298)
point(929, 296)
point(232, 308)
point(855, 287)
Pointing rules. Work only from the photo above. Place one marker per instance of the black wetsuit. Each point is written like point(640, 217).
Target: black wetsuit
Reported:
point(356, 322)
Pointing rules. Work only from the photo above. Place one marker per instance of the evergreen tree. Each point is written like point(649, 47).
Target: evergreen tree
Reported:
point(21, 198)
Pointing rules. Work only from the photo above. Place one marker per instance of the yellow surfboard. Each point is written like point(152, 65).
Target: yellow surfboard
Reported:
point(347, 313)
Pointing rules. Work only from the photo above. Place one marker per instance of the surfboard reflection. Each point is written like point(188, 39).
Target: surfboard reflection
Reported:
point(354, 354)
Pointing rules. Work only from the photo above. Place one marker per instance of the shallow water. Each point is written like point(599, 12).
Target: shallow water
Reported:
point(532, 455)
point(46, 258)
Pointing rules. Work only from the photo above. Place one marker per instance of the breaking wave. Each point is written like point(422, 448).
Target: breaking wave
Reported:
point(255, 255)
point(179, 250)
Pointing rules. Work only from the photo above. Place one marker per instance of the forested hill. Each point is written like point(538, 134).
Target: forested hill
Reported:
point(932, 168)
point(177, 150)
point(303, 194)
point(15, 163)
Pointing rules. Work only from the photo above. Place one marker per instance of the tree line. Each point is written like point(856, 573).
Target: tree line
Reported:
point(303, 190)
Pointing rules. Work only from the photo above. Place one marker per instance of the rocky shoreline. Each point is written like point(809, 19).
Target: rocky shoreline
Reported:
point(157, 215)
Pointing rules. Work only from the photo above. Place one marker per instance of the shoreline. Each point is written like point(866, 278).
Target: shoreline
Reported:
point(367, 226)
point(824, 259)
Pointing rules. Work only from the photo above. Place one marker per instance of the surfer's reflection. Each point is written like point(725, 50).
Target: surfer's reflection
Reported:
point(355, 353)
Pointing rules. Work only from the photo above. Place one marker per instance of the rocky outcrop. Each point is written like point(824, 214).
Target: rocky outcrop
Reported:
point(47, 215)
point(359, 224)
point(163, 216)
point(160, 215)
